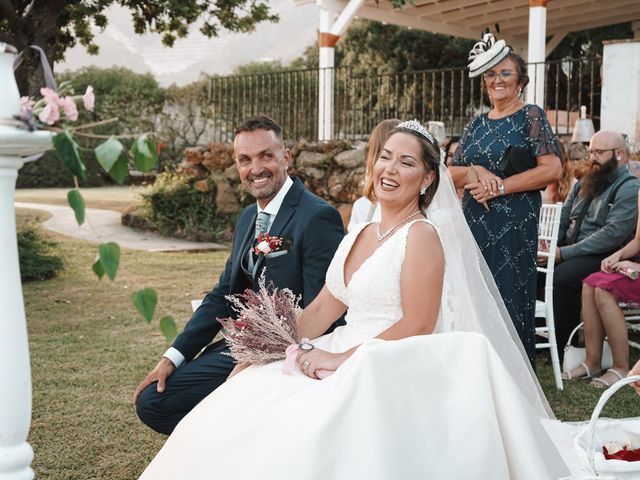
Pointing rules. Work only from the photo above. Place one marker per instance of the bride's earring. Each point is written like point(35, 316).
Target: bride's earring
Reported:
point(423, 190)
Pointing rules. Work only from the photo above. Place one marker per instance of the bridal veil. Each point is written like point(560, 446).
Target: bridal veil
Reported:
point(471, 301)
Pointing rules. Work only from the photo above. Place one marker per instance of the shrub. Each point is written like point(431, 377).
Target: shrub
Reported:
point(36, 263)
point(50, 172)
point(176, 207)
point(134, 98)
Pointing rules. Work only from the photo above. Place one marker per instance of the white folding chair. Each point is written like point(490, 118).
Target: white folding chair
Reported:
point(195, 304)
point(631, 313)
point(547, 242)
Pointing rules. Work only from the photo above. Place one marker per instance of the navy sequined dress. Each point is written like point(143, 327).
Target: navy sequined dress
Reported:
point(507, 233)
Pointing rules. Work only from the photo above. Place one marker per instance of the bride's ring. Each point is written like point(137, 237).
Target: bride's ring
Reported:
point(305, 364)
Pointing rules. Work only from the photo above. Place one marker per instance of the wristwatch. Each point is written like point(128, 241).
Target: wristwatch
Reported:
point(305, 346)
point(501, 189)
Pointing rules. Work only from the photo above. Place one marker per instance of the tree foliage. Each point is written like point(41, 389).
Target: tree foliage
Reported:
point(587, 43)
point(373, 46)
point(57, 25)
point(132, 97)
point(256, 68)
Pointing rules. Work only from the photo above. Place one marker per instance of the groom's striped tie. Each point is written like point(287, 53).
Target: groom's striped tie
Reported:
point(262, 226)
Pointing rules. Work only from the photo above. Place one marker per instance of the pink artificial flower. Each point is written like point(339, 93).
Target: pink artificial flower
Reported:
point(49, 96)
point(69, 107)
point(26, 105)
point(89, 99)
point(50, 114)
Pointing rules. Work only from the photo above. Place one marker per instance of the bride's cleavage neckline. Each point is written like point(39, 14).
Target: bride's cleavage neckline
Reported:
point(378, 247)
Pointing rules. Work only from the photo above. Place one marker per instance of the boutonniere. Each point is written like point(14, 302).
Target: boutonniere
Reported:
point(267, 244)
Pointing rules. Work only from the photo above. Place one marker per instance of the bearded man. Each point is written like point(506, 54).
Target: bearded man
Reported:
point(598, 217)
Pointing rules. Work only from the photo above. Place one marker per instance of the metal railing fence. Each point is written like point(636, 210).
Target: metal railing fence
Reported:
point(360, 100)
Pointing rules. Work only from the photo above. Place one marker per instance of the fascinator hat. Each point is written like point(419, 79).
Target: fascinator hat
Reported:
point(486, 54)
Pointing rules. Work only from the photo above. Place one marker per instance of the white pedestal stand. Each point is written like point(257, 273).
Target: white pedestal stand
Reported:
point(15, 376)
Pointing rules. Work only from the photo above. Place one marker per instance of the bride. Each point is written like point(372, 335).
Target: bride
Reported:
point(431, 380)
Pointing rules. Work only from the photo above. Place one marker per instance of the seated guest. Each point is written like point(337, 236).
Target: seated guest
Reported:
point(602, 316)
point(364, 207)
point(558, 190)
point(450, 148)
point(598, 217)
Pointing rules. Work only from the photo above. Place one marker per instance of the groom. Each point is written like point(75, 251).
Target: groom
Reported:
point(311, 230)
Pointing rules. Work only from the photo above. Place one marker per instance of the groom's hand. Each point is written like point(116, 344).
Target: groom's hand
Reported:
point(159, 374)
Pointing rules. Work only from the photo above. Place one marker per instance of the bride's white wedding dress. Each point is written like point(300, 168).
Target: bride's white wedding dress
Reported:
point(439, 406)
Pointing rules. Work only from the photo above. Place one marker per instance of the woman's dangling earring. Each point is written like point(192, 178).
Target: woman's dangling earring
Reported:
point(520, 91)
point(423, 190)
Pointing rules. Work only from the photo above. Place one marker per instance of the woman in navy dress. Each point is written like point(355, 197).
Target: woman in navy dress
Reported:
point(503, 212)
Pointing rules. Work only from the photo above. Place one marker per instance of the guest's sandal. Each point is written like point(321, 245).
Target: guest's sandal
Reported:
point(610, 377)
point(585, 375)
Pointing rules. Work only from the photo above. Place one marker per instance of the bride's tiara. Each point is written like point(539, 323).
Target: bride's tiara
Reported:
point(416, 126)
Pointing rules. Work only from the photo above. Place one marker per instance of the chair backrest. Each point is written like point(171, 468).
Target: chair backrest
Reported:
point(195, 304)
point(548, 228)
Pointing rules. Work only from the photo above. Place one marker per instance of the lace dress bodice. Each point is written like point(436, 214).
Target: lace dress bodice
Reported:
point(373, 293)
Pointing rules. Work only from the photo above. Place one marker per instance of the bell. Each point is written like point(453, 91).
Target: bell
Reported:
point(583, 130)
point(437, 130)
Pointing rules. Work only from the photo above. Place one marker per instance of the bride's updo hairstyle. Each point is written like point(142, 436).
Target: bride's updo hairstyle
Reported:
point(430, 156)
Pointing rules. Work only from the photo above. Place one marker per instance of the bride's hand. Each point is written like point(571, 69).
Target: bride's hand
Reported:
point(316, 359)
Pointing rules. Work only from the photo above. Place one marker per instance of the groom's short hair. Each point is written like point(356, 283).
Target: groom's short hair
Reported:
point(261, 122)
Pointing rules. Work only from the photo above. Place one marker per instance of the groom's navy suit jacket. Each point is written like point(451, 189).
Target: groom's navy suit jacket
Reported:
point(313, 228)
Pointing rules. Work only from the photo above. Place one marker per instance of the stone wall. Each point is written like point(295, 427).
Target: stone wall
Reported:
point(333, 171)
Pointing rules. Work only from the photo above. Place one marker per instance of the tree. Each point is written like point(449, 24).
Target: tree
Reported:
point(57, 25)
point(373, 46)
point(587, 43)
point(256, 68)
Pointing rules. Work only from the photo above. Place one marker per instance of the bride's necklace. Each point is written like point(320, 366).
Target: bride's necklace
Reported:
point(381, 236)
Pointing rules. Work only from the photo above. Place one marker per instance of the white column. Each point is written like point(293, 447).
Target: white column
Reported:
point(15, 377)
point(325, 80)
point(536, 50)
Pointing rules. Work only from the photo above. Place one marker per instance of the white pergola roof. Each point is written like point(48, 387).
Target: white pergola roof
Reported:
point(467, 18)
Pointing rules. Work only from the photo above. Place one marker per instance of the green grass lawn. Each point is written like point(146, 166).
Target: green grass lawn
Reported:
point(112, 198)
point(89, 350)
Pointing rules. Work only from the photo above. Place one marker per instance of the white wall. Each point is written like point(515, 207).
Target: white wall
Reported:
point(620, 110)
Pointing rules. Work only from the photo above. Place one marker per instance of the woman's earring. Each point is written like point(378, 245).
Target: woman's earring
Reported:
point(423, 190)
point(520, 91)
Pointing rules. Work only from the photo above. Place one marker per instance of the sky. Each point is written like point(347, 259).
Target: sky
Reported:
point(183, 63)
